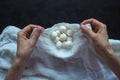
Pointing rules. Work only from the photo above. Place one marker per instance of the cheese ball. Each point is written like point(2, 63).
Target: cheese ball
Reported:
point(57, 39)
point(69, 32)
point(63, 37)
point(54, 35)
point(69, 39)
point(62, 29)
point(68, 44)
point(59, 44)
point(58, 32)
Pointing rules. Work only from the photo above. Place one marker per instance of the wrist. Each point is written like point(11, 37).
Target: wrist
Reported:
point(22, 57)
point(108, 52)
point(102, 50)
point(19, 63)
point(16, 70)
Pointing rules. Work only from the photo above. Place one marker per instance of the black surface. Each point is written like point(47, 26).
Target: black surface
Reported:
point(48, 12)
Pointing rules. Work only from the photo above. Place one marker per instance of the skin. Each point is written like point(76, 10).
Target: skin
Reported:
point(98, 35)
point(25, 45)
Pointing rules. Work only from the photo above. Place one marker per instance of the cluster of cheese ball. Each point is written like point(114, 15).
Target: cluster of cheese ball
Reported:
point(63, 37)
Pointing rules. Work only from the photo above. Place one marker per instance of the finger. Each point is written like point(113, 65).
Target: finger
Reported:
point(87, 31)
point(92, 21)
point(96, 25)
point(36, 34)
point(28, 29)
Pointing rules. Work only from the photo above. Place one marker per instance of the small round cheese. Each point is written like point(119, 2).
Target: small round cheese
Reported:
point(54, 35)
point(57, 39)
point(58, 32)
point(69, 38)
point(69, 32)
point(59, 44)
point(62, 29)
point(63, 37)
point(68, 44)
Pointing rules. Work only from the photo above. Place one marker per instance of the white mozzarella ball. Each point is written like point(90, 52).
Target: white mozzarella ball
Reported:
point(58, 32)
point(63, 37)
point(62, 29)
point(64, 44)
point(69, 32)
point(59, 44)
point(69, 39)
point(68, 44)
point(57, 39)
point(54, 35)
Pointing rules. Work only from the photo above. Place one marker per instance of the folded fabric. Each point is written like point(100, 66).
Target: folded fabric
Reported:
point(84, 65)
point(63, 51)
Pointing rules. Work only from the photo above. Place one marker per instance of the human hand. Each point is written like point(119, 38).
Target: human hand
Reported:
point(26, 42)
point(98, 34)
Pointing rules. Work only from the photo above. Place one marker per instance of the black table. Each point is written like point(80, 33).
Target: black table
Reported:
point(48, 12)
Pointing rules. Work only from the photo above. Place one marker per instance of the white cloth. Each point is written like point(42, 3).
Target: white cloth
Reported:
point(85, 65)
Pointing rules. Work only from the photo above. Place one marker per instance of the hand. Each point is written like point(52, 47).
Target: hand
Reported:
point(25, 45)
point(98, 34)
point(26, 42)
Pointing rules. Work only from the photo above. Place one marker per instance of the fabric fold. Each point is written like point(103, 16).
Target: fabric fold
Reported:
point(84, 65)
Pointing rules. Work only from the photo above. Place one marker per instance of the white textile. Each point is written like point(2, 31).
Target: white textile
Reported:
point(84, 65)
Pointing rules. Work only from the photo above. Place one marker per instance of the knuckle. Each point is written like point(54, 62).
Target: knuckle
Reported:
point(31, 25)
point(104, 26)
point(93, 21)
point(92, 18)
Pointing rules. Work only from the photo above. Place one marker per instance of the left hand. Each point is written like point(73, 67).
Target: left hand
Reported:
point(26, 42)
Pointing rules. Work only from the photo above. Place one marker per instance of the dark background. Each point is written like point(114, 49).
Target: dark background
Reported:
point(48, 12)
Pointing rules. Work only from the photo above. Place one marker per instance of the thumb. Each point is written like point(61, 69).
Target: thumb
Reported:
point(87, 31)
point(36, 34)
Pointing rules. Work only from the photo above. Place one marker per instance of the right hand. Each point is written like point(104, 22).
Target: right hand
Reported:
point(98, 34)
